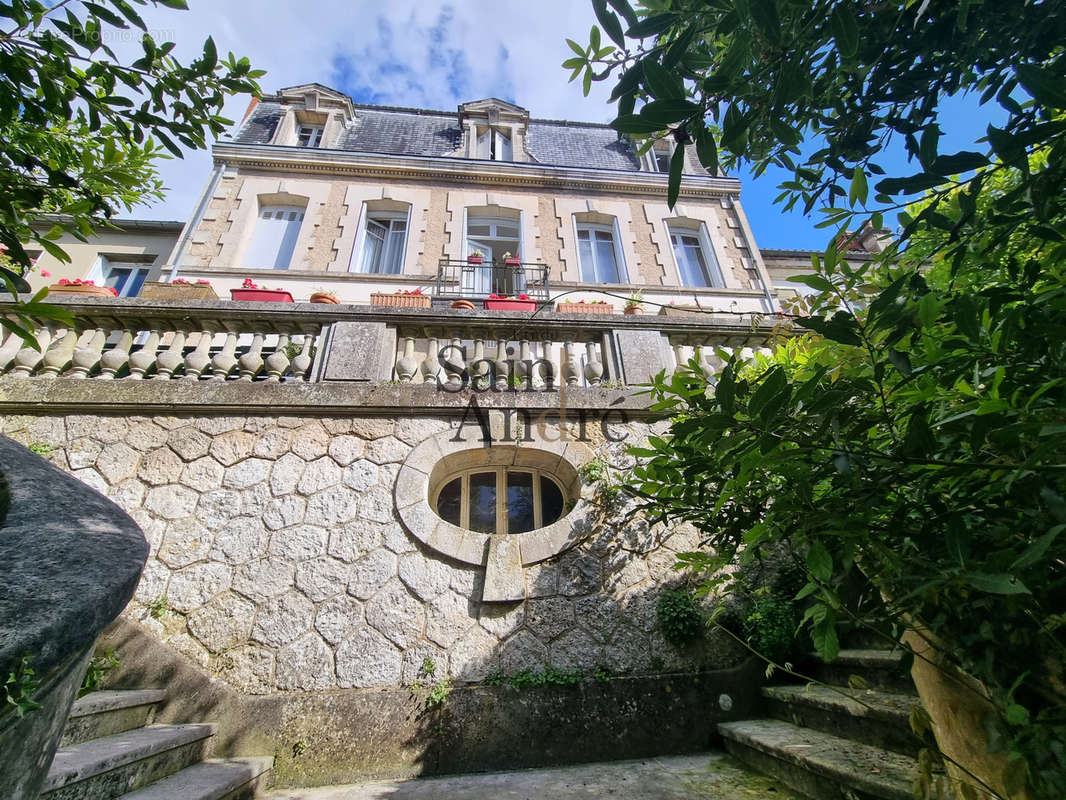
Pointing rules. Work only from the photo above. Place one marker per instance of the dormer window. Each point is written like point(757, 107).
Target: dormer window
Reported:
point(659, 158)
point(309, 135)
point(494, 144)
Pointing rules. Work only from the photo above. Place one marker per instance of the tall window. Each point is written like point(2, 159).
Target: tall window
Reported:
point(383, 247)
point(494, 144)
point(598, 253)
point(274, 238)
point(494, 237)
point(500, 500)
point(696, 263)
point(309, 135)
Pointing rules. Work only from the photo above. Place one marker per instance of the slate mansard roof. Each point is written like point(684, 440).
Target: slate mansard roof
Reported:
point(420, 132)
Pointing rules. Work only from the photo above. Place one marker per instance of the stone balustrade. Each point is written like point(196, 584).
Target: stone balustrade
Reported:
point(139, 340)
point(222, 341)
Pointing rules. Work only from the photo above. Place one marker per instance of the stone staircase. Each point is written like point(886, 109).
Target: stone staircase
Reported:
point(110, 749)
point(841, 743)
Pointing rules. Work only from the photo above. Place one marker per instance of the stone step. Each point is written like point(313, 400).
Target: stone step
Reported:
point(105, 768)
point(820, 765)
point(233, 779)
point(878, 718)
point(878, 669)
point(108, 712)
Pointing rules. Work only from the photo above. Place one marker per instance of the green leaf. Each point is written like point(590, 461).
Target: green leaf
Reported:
point(634, 123)
point(577, 48)
point(707, 150)
point(667, 111)
point(662, 84)
point(609, 22)
point(677, 166)
point(764, 12)
point(958, 162)
point(859, 190)
point(819, 562)
point(1046, 88)
point(626, 10)
point(1035, 552)
point(818, 282)
point(1001, 583)
point(845, 29)
point(651, 26)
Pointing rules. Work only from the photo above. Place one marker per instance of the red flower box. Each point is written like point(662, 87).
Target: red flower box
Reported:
point(512, 262)
point(261, 295)
point(509, 304)
point(474, 259)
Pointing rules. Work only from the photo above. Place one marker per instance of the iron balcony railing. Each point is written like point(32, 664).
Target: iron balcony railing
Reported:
point(465, 279)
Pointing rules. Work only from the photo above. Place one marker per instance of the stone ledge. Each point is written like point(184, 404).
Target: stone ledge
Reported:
point(84, 396)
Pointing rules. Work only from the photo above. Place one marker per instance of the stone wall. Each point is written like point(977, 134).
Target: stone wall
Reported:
point(279, 562)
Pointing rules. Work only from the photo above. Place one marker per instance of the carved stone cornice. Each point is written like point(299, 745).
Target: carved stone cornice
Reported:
point(461, 171)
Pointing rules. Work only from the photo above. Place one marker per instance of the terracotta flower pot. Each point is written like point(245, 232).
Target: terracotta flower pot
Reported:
point(632, 311)
point(466, 304)
point(510, 304)
point(401, 300)
point(585, 308)
point(155, 290)
point(261, 295)
point(82, 289)
point(324, 297)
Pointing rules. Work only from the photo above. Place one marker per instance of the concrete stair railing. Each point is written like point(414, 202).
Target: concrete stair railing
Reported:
point(110, 749)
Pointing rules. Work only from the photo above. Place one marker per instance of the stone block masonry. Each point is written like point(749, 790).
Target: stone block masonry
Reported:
point(279, 562)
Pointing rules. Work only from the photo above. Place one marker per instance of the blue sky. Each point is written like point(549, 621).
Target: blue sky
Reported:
point(436, 55)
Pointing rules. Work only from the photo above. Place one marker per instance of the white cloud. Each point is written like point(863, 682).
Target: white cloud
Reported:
point(402, 52)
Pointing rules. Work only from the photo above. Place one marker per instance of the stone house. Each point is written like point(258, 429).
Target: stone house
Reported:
point(338, 497)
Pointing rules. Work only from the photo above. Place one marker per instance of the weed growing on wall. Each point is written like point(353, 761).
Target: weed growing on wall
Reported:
point(99, 667)
point(679, 617)
point(19, 688)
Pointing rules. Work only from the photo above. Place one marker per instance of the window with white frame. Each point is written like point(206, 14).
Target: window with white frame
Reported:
point(274, 238)
point(494, 238)
point(384, 242)
point(494, 144)
point(309, 135)
point(500, 500)
point(696, 262)
point(598, 253)
point(125, 277)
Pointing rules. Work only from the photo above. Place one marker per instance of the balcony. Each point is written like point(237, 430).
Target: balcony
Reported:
point(141, 355)
point(464, 279)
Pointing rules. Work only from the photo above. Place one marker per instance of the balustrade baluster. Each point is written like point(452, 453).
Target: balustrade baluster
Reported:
point(27, 358)
point(252, 361)
point(570, 371)
point(454, 362)
point(277, 363)
point(479, 366)
point(170, 359)
point(142, 360)
point(226, 359)
point(547, 368)
point(59, 354)
point(88, 355)
point(431, 364)
point(117, 357)
point(502, 365)
point(200, 358)
point(407, 364)
point(525, 361)
point(302, 363)
point(593, 365)
point(12, 344)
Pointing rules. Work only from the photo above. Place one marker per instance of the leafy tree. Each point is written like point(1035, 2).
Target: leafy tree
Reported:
point(915, 433)
point(79, 129)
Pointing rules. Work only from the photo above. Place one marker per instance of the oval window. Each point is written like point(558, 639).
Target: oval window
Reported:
point(500, 500)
